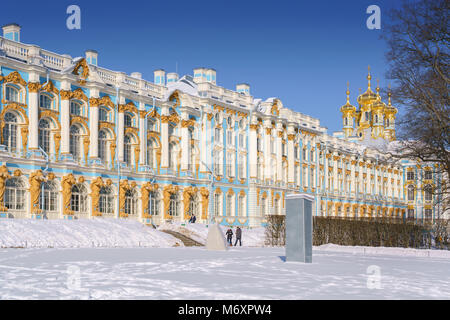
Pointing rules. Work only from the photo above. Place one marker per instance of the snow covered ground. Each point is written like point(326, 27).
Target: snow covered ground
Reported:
point(195, 273)
point(81, 233)
point(122, 259)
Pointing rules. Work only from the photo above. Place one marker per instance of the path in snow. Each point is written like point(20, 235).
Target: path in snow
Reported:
point(195, 273)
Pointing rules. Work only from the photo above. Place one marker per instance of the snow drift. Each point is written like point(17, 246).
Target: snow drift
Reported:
point(96, 232)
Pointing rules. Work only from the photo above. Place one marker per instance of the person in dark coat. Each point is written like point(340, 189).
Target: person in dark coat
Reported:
point(192, 219)
point(229, 235)
point(238, 237)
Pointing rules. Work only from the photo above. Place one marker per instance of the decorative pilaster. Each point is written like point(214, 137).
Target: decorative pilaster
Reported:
point(65, 120)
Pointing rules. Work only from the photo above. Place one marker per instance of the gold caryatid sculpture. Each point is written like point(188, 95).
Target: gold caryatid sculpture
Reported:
point(96, 185)
point(67, 182)
point(4, 174)
point(36, 178)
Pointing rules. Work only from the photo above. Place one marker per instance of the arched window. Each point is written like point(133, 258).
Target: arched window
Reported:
point(411, 195)
point(15, 194)
point(428, 193)
point(263, 206)
point(127, 150)
point(193, 206)
point(10, 131)
point(75, 142)
point(102, 146)
point(106, 201)
point(75, 108)
point(151, 153)
point(174, 205)
point(131, 202)
point(152, 125)
point(12, 94)
point(153, 204)
point(128, 120)
point(45, 101)
point(78, 200)
point(217, 204)
point(230, 205)
point(171, 130)
point(241, 205)
point(172, 156)
point(49, 197)
point(44, 135)
point(103, 114)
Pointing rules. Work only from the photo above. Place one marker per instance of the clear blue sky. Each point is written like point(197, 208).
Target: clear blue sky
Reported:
point(303, 52)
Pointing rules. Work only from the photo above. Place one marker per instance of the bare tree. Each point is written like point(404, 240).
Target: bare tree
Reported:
point(417, 37)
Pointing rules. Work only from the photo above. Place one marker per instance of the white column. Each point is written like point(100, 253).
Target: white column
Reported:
point(142, 134)
point(205, 140)
point(291, 156)
point(253, 152)
point(93, 126)
point(267, 152)
point(164, 139)
point(185, 144)
point(279, 155)
point(120, 136)
point(65, 120)
point(33, 107)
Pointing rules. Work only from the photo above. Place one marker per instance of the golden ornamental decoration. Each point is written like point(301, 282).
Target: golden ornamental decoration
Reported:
point(66, 183)
point(130, 107)
point(205, 202)
point(24, 134)
point(94, 102)
point(175, 95)
point(112, 148)
point(15, 77)
point(254, 127)
point(123, 188)
point(57, 138)
point(210, 116)
point(137, 151)
point(154, 114)
point(17, 173)
point(50, 87)
point(35, 180)
point(171, 118)
point(268, 131)
point(142, 114)
point(188, 194)
point(33, 87)
point(79, 95)
point(66, 94)
point(187, 123)
point(81, 64)
point(46, 113)
point(86, 142)
point(96, 185)
point(4, 174)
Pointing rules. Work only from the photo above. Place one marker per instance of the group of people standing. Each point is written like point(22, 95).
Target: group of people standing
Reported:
point(229, 235)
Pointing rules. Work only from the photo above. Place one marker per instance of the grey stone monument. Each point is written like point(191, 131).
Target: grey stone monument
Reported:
point(299, 226)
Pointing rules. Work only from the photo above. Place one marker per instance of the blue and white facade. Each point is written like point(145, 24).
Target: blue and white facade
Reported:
point(80, 141)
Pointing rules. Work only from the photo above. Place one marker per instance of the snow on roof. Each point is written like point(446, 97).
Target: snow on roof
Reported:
point(184, 84)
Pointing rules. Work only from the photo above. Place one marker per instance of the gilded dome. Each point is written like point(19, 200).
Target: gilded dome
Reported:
point(348, 106)
point(368, 97)
point(378, 103)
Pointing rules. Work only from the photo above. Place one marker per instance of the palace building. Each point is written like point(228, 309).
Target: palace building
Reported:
point(81, 141)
